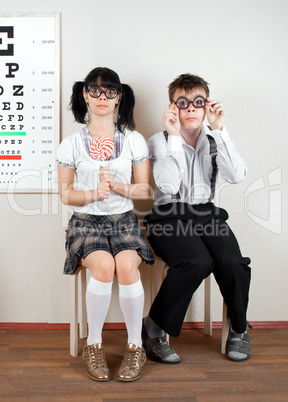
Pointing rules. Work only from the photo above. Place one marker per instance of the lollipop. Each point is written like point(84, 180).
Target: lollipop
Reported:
point(101, 148)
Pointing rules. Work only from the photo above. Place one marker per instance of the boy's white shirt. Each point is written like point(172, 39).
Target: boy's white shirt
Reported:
point(179, 167)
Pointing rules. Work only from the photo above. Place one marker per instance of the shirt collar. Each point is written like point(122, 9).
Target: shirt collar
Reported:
point(201, 138)
point(88, 138)
point(117, 141)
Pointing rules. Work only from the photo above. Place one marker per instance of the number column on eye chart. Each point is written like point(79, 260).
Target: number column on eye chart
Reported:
point(42, 107)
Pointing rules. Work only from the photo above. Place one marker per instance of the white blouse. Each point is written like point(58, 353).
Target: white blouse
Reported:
point(72, 154)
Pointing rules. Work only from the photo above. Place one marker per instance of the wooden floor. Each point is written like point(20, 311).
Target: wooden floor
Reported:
point(36, 366)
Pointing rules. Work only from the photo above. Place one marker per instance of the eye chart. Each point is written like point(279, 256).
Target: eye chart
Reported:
point(29, 102)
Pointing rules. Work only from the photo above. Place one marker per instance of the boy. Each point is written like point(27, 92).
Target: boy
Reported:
point(185, 228)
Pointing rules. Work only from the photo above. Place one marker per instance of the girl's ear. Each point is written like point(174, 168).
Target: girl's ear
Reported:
point(118, 99)
point(85, 95)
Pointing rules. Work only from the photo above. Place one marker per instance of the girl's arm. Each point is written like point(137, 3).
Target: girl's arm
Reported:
point(72, 197)
point(139, 190)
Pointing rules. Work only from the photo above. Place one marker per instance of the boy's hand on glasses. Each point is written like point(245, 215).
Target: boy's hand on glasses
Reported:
point(215, 114)
point(170, 120)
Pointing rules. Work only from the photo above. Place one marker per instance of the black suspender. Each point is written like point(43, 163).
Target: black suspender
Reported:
point(213, 153)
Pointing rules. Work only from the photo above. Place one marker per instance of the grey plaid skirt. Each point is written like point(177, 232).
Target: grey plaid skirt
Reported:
point(112, 233)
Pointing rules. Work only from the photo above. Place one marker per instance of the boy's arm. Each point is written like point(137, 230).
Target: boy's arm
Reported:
point(168, 167)
point(231, 166)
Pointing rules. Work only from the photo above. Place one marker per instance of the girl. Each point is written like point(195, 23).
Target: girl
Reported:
point(95, 166)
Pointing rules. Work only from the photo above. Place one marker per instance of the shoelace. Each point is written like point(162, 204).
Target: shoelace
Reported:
point(97, 357)
point(131, 358)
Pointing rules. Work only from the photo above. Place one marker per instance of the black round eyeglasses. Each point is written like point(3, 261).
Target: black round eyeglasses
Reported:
point(95, 92)
point(199, 101)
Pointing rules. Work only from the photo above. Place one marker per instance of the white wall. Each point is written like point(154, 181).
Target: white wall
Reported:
point(240, 47)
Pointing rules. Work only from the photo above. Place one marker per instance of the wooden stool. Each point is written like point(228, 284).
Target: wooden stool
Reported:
point(79, 313)
point(207, 308)
point(78, 309)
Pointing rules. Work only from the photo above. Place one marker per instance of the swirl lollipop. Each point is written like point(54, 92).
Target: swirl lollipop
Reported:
point(101, 148)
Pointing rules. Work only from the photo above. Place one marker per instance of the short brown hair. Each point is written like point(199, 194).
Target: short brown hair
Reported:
point(188, 82)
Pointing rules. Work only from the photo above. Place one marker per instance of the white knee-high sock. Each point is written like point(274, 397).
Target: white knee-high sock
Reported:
point(131, 300)
point(98, 297)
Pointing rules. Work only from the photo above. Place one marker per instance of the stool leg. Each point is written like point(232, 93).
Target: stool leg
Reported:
point(225, 329)
point(74, 316)
point(83, 311)
point(207, 307)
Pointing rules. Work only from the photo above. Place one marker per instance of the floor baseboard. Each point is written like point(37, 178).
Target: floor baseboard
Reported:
point(121, 325)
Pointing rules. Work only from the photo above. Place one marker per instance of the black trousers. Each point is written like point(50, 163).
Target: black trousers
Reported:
point(195, 241)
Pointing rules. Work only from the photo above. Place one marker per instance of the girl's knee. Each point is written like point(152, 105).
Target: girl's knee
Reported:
point(127, 272)
point(103, 270)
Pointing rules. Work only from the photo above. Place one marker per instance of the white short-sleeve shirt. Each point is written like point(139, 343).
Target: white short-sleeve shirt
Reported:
point(73, 154)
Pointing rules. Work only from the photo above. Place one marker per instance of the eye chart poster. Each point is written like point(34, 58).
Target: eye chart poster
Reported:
point(29, 102)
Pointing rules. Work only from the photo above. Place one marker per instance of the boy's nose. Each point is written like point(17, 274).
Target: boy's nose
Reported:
point(191, 108)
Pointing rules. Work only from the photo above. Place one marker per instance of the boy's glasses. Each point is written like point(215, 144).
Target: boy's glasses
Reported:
point(198, 102)
point(95, 92)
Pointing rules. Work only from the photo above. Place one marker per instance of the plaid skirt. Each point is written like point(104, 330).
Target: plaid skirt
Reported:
point(111, 233)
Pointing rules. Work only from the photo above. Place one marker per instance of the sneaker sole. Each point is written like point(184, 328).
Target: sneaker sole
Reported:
point(239, 360)
point(97, 379)
point(156, 359)
point(128, 379)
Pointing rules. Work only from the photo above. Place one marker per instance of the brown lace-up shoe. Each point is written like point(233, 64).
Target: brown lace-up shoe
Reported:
point(96, 366)
point(132, 363)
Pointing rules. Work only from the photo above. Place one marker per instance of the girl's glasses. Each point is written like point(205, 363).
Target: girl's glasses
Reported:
point(95, 92)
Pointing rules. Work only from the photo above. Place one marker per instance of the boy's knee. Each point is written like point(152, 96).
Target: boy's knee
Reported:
point(202, 266)
point(205, 266)
point(235, 265)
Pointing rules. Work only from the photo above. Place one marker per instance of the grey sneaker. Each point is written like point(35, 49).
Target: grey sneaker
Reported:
point(238, 346)
point(158, 350)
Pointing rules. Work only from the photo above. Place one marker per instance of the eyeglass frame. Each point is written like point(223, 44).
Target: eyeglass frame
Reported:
point(101, 92)
point(197, 107)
